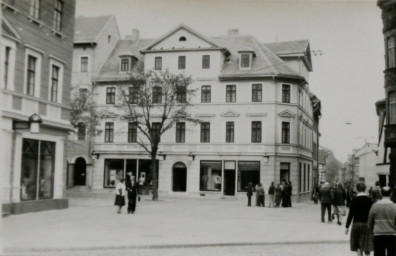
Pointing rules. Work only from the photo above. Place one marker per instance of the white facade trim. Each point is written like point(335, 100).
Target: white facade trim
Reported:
point(11, 65)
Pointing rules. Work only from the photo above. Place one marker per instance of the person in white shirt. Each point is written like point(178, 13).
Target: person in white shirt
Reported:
point(120, 191)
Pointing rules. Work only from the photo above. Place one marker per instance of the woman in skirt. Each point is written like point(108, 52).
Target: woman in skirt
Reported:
point(361, 237)
point(120, 195)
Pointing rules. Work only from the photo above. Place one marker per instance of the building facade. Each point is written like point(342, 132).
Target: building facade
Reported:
point(36, 59)
point(253, 101)
point(94, 40)
point(363, 165)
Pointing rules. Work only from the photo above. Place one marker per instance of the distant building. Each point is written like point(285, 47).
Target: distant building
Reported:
point(363, 161)
point(36, 61)
point(260, 120)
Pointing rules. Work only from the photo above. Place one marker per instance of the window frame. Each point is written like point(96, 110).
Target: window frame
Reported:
point(230, 132)
point(181, 94)
point(231, 93)
point(256, 132)
point(35, 9)
point(54, 63)
point(37, 77)
point(81, 131)
point(132, 132)
point(205, 132)
point(110, 95)
point(109, 132)
point(58, 15)
point(123, 65)
point(206, 61)
point(390, 52)
point(257, 93)
point(156, 130)
point(158, 63)
point(242, 62)
point(84, 68)
point(133, 96)
point(286, 93)
point(285, 132)
point(156, 95)
point(180, 132)
point(206, 94)
point(181, 62)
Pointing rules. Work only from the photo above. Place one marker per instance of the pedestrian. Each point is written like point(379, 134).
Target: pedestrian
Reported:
point(315, 193)
point(348, 195)
point(289, 194)
point(339, 197)
point(271, 193)
point(257, 196)
point(132, 191)
point(382, 221)
point(285, 191)
point(120, 195)
point(249, 193)
point(361, 240)
point(261, 195)
point(325, 201)
point(376, 192)
point(278, 195)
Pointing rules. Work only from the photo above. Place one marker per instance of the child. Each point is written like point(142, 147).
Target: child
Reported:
point(120, 195)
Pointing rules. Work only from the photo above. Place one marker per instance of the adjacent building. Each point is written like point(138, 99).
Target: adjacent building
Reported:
point(259, 119)
point(36, 59)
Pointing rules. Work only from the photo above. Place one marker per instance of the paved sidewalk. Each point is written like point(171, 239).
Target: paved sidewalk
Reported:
point(93, 225)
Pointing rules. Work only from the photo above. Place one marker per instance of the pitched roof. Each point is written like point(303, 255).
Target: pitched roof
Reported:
point(265, 63)
point(87, 29)
point(289, 47)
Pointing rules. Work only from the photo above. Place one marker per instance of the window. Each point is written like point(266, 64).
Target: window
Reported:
point(6, 65)
point(84, 64)
point(113, 171)
point(182, 39)
point(54, 83)
point(231, 93)
point(182, 62)
point(157, 95)
point(245, 60)
point(392, 107)
point(124, 64)
point(285, 93)
point(257, 92)
point(83, 93)
point(206, 61)
point(210, 176)
point(158, 63)
point(230, 132)
point(35, 9)
point(81, 129)
point(205, 132)
point(133, 94)
point(248, 172)
point(256, 131)
point(180, 132)
point(181, 94)
point(31, 75)
point(132, 132)
point(391, 52)
point(58, 13)
point(110, 95)
point(206, 94)
point(38, 165)
point(284, 171)
point(300, 179)
point(285, 132)
point(109, 132)
point(156, 131)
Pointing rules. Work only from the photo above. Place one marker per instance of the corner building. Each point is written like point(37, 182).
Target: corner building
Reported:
point(253, 100)
point(36, 57)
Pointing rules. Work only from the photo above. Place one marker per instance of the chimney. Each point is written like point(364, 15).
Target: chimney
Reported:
point(233, 32)
point(135, 34)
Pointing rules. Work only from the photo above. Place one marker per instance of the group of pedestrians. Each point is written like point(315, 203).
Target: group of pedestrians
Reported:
point(373, 217)
point(279, 195)
point(130, 189)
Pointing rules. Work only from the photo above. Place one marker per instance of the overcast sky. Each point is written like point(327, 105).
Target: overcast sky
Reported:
point(348, 77)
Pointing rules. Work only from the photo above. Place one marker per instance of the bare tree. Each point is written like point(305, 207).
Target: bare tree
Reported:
point(159, 96)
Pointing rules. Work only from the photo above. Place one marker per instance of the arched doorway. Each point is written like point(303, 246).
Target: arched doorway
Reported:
point(179, 177)
point(80, 172)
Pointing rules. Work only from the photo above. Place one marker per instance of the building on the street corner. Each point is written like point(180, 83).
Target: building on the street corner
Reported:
point(382, 162)
point(36, 59)
point(259, 120)
point(94, 40)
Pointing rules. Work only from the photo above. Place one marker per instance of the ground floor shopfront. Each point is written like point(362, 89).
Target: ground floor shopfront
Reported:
point(32, 169)
point(205, 174)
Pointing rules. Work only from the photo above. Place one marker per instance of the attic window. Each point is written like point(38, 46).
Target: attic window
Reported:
point(182, 39)
point(245, 60)
point(125, 64)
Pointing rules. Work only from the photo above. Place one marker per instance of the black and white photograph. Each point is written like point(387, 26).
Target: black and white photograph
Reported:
point(198, 127)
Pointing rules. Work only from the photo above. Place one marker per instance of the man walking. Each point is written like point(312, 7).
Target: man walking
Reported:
point(382, 221)
point(325, 201)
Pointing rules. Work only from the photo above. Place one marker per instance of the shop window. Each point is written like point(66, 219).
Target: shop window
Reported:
point(284, 172)
point(38, 164)
point(210, 176)
point(248, 171)
point(113, 172)
point(131, 167)
point(145, 176)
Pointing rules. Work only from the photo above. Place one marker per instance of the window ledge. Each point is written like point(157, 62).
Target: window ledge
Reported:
point(34, 20)
point(58, 33)
point(12, 8)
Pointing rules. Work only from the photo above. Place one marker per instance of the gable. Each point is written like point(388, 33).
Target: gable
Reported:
point(175, 40)
point(286, 114)
point(229, 113)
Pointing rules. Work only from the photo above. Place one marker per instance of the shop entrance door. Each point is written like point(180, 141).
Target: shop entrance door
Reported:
point(80, 171)
point(179, 183)
point(229, 182)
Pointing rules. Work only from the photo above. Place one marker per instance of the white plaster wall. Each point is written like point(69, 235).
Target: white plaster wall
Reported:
point(192, 41)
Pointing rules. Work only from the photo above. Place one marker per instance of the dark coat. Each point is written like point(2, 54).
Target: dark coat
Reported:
point(325, 195)
point(339, 197)
point(249, 190)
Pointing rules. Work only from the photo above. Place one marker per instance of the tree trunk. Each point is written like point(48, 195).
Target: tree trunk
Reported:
point(154, 173)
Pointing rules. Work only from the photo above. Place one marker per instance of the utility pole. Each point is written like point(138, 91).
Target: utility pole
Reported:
point(388, 8)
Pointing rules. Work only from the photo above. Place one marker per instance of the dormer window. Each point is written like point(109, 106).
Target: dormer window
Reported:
point(125, 64)
point(182, 39)
point(246, 59)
